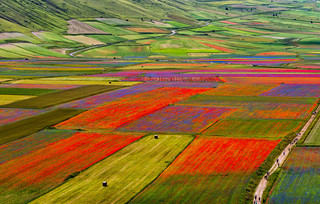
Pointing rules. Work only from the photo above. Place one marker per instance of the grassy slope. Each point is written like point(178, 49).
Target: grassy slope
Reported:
point(127, 172)
point(24, 15)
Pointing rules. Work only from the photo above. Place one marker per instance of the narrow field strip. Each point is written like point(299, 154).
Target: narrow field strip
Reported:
point(63, 96)
point(25, 127)
point(127, 172)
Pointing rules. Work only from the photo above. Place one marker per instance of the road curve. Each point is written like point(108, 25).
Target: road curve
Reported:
point(257, 199)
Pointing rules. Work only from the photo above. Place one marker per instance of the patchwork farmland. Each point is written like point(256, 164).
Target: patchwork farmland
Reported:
point(156, 101)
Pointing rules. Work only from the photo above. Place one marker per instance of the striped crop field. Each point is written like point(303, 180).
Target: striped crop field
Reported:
point(227, 89)
point(127, 172)
point(114, 114)
point(295, 90)
point(9, 115)
point(210, 170)
point(176, 79)
point(275, 111)
point(181, 119)
point(31, 143)
point(26, 177)
point(299, 179)
point(100, 99)
point(62, 96)
point(254, 128)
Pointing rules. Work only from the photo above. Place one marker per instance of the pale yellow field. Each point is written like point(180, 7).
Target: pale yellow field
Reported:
point(2, 80)
point(79, 82)
point(84, 39)
point(6, 99)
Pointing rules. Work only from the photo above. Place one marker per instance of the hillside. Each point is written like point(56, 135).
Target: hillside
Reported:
point(52, 15)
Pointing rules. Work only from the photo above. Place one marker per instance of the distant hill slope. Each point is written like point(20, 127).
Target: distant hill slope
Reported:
point(34, 15)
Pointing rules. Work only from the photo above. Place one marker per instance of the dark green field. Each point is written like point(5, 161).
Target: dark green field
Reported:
point(64, 96)
point(34, 124)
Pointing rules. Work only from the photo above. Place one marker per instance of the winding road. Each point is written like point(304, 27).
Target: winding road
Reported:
point(280, 160)
point(74, 53)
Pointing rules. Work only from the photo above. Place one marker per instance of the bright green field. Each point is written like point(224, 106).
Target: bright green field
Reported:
point(28, 92)
point(39, 50)
point(127, 172)
point(257, 128)
point(314, 136)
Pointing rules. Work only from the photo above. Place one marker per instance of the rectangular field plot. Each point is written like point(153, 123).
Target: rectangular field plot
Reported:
point(34, 174)
point(177, 119)
point(209, 170)
point(240, 89)
point(51, 99)
point(254, 128)
point(127, 172)
point(25, 127)
point(117, 113)
point(299, 180)
point(295, 90)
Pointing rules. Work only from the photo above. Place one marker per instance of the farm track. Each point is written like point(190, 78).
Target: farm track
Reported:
point(72, 54)
point(280, 160)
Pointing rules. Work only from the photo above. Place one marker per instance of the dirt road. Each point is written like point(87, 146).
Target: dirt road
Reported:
point(257, 199)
